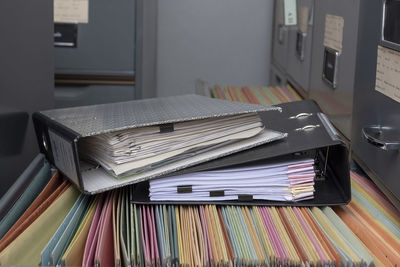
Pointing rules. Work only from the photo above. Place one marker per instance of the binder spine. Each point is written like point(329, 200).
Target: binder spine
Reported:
point(59, 145)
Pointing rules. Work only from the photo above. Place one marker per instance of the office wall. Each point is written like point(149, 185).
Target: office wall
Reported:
point(224, 42)
point(26, 80)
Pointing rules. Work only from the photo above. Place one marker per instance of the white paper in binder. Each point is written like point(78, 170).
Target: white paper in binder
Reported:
point(284, 181)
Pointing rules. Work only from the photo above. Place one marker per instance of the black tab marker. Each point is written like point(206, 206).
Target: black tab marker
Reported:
point(245, 197)
point(217, 193)
point(166, 128)
point(184, 189)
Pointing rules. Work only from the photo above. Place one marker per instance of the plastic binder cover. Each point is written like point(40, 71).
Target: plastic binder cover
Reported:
point(310, 134)
point(60, 132)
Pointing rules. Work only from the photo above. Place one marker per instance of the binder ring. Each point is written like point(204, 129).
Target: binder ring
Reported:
point(301, 115)
point(308, 127)
point(45, 145)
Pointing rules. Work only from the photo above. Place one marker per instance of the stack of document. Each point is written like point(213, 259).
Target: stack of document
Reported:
point(284, 181)
point(133, 151)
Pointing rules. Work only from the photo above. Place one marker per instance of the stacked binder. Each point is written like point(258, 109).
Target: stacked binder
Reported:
point(287, 154)
point(102, 147)
point(307, 168)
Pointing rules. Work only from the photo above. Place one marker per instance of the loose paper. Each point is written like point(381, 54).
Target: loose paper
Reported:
point(388, 73)
point(333, 37)
point(290, 12)
point(71, 11)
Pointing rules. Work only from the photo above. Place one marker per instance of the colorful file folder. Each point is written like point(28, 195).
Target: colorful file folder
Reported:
point(27, 197)
point(113, 231)
point(26, 248)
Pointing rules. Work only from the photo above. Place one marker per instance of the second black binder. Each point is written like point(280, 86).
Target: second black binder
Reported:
point(309, 134)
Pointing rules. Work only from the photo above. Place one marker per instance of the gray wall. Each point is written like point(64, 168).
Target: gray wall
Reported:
point(224, 42)
point(26, 79)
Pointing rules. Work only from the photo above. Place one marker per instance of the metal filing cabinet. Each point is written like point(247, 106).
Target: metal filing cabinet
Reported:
point(82, 95)
point(299, 46)
point(102, 56)
point(105, 45)
point(280, 38)
point(277, 77)
point(26, 83)
point(375, 135)
point(333, 59)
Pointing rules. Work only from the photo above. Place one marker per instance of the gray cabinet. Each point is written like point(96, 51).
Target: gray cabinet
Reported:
point(104, 46)
point(277, 77)
point(299, 46)
point(375, 134)
point(332, 70)
point(280, 37)
point(91, 94)
point(26, 83)
point(292, 46)
point(103, 58)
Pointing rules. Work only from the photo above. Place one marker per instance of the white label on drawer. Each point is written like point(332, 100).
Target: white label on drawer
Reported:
point(388, 73)
point(333, 37)
point(71, 11)
point(63, 156)
point(290, 12)
point(280, 13)
point(302, 22)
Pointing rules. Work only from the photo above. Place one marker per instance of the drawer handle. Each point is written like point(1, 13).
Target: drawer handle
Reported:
point(378, 136)
point(281, 34)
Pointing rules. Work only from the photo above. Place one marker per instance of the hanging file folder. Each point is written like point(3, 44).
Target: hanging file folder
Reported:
point(26, 198)
point(20, 185)
point(310, 135)
point(102, 147)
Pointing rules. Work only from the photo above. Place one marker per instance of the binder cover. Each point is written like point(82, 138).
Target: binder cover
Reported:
point(59, 131)
point(309, 134)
